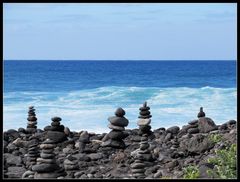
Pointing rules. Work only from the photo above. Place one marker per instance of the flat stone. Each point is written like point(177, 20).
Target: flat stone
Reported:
point(145, 117)
point(56, 119)
point(68, 162)
point(138, 165)
point(55, 123)
point(145, 113)
point(118, 121)
point(119, 112)
point(47, 146)
point(48, 141)
point(49, 161)
point(32, 122)
point(143, 122)
point(32, 118)
point(119, 128)
point(47, 155)
point(45, 167)
point(47, 175)
point(59, 128)
point(48, 151)
point(113, 143)
point(138, 170)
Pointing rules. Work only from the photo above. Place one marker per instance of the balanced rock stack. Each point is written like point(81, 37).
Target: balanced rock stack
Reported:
point(47, 166)
point(144, 121)
point(33, 154)
point(32, 120)
point(205, 124)
point(117, 124)
point(142, 158)
point(55, 132)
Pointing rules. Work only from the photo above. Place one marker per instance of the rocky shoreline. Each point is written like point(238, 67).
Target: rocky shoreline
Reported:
point(141, 153)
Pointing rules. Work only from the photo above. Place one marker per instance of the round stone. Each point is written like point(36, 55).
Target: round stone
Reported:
point(32, 122)
point(119, 128)
point(47, 146)
point(57, 128)
point(56, 119)
point(173, 129)
point(56, 136)
point(119, 112)
point(48, 141)
point(118, 121)
point(143, 122)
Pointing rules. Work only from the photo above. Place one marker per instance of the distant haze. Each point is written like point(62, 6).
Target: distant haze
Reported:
point(120, 31)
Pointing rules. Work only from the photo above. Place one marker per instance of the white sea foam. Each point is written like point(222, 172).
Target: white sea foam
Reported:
point(89, 109)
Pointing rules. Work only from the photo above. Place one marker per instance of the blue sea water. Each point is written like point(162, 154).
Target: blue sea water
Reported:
point(85, 93)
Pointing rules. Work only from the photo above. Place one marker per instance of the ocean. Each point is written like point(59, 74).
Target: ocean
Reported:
point(85, 93)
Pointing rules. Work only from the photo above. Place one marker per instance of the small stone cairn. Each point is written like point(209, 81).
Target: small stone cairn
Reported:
point(117, 124)
point(142, 158)
point(55, 132)
point(144, 121)
point(47, 166)
point(32, 155)
point(32, 121)
point(201, 113)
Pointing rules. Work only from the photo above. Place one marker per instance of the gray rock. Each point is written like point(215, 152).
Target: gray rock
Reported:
point(119, 128)
point(95, 156)
point(138, 165)
point(57, 119)
point(193, 122)
point(47, 175)
point(12, 159)
point(143, 122)
point(41, 168)
point(193, 130)
point(206, 125)
point(173, 129)
point(56, 136)
point(84, 137)
point(118, 121)
point(118, 135)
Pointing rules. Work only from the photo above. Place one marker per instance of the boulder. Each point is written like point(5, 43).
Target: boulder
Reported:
point(206, 125)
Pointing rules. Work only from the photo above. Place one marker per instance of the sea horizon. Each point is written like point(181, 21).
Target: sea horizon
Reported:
point(85, 93)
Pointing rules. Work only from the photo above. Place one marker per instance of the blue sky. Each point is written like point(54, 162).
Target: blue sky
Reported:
point(120, 31)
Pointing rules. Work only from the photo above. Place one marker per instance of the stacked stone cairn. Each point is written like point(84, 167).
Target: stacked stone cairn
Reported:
point(46, 166)
point(117, 124)
point(32, 120)
point(144, 121)
point(142, 158)
point(55, 132)
point(33, 154)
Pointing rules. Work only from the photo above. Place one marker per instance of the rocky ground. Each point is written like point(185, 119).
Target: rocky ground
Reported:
point(81, 154)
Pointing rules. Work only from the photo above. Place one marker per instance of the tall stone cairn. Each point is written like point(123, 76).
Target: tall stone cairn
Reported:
point(144, 121)
point(117, 124)
point(32, 120)
point(46, 166)
point(142, 158)
point(32, 155)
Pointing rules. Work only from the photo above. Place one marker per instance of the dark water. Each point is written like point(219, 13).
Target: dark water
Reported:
point(77, 75)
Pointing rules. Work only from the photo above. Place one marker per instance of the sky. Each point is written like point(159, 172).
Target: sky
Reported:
point(120, 31)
